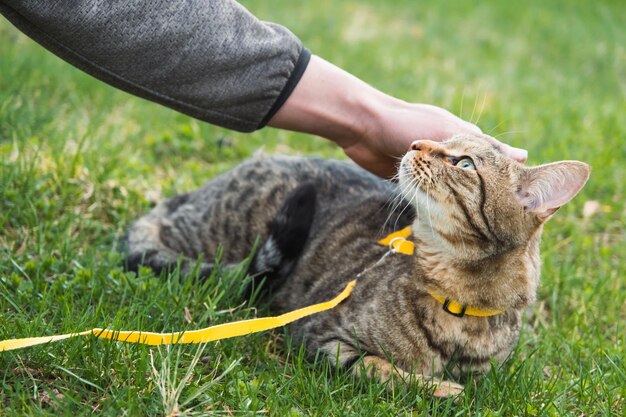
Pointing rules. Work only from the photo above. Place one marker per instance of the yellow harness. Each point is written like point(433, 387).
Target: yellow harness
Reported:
point(397, 241)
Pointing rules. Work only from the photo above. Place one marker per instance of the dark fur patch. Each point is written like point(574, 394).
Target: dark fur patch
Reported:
point(291, 226)
point(289, 232)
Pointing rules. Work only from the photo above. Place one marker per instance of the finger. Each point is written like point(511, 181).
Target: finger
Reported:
point(520, 155)
point(472, 128)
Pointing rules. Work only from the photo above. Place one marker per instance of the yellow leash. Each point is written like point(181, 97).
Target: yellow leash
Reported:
point(396, 241)
point(210, 334)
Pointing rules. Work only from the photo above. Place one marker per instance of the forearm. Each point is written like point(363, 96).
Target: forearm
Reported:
point(331, 103)
point(212, 60)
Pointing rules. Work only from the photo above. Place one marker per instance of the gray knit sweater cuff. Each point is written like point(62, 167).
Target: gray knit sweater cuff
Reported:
point(211, 60)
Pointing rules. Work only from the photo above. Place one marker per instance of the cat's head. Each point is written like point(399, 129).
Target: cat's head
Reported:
point(479, 202)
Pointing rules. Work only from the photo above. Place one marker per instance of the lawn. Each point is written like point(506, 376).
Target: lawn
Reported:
point(80, 160)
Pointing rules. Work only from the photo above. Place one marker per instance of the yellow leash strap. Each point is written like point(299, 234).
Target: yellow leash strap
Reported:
point(210, 334)
point(399, 243)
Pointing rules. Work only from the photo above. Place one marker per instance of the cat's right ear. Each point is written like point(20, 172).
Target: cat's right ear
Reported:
point(545, 188)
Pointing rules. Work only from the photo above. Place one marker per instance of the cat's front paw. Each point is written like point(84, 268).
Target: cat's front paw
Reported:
point(444, 389)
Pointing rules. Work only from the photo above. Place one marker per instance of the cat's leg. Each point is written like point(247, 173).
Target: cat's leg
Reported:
point(381, 369)
point(149, 243)
point(348, 356)
point(159, 261)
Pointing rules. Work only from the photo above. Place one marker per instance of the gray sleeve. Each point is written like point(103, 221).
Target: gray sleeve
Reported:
point(210, 59)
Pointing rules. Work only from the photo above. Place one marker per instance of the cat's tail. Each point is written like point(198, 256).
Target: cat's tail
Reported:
point(289, 233)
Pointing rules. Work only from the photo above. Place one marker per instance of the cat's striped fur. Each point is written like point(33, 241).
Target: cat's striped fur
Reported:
point(476, 233)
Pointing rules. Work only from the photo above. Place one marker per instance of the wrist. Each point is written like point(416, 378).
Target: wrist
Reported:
point(331, 103)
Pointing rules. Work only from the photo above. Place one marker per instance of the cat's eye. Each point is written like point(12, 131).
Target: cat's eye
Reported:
point(465, 163)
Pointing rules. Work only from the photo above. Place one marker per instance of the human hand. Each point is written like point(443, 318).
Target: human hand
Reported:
point(394, 125)
point(374, 129)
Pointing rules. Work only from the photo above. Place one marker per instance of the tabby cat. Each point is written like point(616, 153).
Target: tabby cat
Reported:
point(476, 218)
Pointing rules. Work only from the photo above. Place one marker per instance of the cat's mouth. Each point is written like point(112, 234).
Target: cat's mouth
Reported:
point(423, 168)
point(418, 168)
point(417, 179)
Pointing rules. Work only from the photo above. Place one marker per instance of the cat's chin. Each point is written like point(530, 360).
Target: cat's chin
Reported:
point(410, 185)
point(413, 182)
point(424, 201)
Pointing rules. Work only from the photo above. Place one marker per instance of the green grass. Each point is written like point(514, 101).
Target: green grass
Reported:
point(80, 160)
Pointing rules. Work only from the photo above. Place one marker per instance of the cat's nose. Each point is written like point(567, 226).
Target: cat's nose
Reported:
point(423, 145)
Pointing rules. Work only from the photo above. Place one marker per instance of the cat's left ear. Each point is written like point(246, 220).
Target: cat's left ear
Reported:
point(545, 188)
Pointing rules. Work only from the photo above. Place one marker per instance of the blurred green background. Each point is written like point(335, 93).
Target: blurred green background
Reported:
point(80, 160)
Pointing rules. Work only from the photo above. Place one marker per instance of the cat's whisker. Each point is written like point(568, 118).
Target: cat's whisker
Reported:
point(395, 225)
point(411, 187)
point(393, 156)
point(420, 186)
point(508, 132)
point(430, 220)
point(471, 119)
point(394, 199)
point(462, 101)
point(415, 198)
point(416, 183)
point(394, 204)
point(494, 128)
point(396, 177)
point(481, 109)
